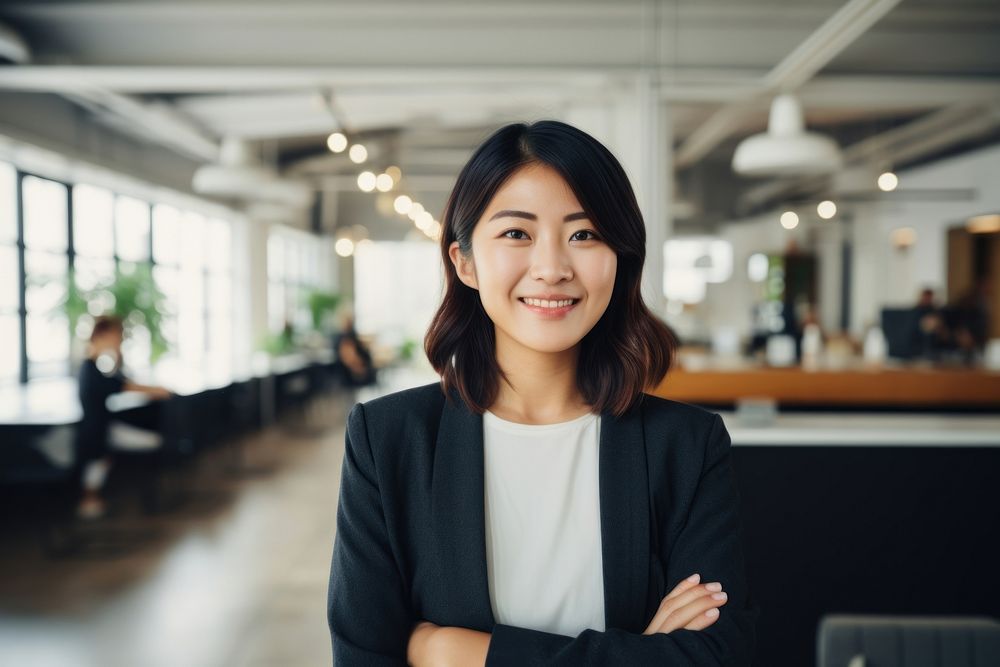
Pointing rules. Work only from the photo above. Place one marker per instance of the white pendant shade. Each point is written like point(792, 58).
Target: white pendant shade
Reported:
point(237, 175)
point(786, 149)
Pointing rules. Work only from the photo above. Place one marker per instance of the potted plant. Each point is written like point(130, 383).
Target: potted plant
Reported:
point(131, 295)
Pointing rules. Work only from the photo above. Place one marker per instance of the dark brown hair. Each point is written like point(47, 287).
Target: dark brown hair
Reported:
point(628, 350)
point(105, 324)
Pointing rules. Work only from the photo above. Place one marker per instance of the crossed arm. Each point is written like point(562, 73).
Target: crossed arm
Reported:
point(690, 606)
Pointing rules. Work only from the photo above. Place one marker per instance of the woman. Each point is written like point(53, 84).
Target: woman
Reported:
point(534, 507)
point(100, 376)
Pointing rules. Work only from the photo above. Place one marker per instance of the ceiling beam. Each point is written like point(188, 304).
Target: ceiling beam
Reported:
point(810, 56)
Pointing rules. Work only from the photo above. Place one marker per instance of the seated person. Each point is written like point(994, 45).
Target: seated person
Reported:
point(100, 376)
point(354, 363)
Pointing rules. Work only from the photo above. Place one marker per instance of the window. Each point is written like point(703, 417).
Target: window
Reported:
point(297, 263)
point(398, 287)
point(193, 265)
point(46, 267)
point(10, 269)
point(220, 290)
point(132, 229)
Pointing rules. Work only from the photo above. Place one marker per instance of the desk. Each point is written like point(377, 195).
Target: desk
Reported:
point(209, 402)
point(903, 388)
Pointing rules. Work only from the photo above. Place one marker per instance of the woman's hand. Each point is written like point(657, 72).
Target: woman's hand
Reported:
point(688, 607)
point(435, 646)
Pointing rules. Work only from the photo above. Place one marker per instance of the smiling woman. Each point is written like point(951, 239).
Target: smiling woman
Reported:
point(537, 506)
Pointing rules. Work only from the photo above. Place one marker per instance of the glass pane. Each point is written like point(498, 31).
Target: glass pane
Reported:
point(8, 203)
point(45, 211)
point(191, 317)
point(220, 295)
point(275, 257)
point(220, 339)
point(10, 347)
point(168, 280)
point(293, 261)
point(132, 229)
point(48, 345)
point(47, 277)
point(166, 234)
point(9, 290)
point(93, 215)
point(93, 272)
point(220, 241)
point(276, 306)
point(193, 240)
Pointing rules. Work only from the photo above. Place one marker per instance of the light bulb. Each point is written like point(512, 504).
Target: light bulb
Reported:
point(789, 219)
point(358, 153)
point(366, 181)
point(402, 204)
point(336, 142)
point(344, 247)
point(887, 182)
point(826, 209)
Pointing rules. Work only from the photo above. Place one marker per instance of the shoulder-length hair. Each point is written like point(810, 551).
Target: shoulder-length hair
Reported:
point(628, 350)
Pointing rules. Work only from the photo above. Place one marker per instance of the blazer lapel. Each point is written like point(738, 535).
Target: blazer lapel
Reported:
point(624, 520)
point(458, 517)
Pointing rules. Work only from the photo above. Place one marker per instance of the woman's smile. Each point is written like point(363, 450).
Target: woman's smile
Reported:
point(553, 310)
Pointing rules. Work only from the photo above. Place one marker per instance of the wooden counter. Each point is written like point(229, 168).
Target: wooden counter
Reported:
point(887, 387)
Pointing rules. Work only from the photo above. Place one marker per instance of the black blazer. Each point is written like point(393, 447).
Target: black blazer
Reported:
point(410, 541)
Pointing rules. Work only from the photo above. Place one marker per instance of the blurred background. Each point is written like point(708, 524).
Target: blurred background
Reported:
point(253, 191)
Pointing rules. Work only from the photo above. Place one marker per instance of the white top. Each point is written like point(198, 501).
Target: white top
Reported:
point(543, 524)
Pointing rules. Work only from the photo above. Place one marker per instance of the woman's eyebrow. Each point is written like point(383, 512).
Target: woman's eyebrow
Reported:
point(509, 213)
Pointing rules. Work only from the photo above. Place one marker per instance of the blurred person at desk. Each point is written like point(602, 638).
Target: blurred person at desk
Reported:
point(101, 376)
point(354, 366)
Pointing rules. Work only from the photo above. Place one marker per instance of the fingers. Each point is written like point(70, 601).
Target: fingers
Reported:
point(698, 612)
point(685, 606)
point(685, 585)
point(665, 609)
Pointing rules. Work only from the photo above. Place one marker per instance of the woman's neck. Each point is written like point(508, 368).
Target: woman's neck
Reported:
point(542, 388)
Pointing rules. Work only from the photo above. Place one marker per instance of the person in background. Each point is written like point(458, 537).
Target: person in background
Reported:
point(970, 321)
point(100, 376)
point(354, 364)
point(931, 332)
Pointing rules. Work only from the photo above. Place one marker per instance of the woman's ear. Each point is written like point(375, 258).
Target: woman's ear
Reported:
point(464, 267)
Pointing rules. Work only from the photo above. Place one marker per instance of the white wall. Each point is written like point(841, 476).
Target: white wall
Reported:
point(885, 276)
point(881, 275)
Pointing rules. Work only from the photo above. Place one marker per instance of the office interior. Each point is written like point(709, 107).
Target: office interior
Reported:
point(245, 184)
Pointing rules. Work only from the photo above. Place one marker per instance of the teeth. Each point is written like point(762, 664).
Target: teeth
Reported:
point(548, 304)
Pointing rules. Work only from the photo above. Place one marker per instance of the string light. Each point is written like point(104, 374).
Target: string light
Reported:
point(366, 181)
point(358, 153)
point(826, 209)
point(402, 204)
point(888, 181)
point(789, 219)
point(336, 142)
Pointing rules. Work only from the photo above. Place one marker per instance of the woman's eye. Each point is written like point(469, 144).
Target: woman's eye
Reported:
point(593, 236)
point(513, 231)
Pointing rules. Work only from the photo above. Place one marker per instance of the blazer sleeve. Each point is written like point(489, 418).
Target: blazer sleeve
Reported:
point(367, 611)
point(709, 544)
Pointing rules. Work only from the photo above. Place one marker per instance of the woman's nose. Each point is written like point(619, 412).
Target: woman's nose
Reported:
point(550, 263)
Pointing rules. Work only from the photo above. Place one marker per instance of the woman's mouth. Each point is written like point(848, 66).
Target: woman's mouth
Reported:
point(549, 308)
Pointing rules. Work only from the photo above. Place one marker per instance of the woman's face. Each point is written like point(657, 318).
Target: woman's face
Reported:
point(535, 242)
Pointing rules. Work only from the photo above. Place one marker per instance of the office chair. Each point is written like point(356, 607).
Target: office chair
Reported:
point(907, 641)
